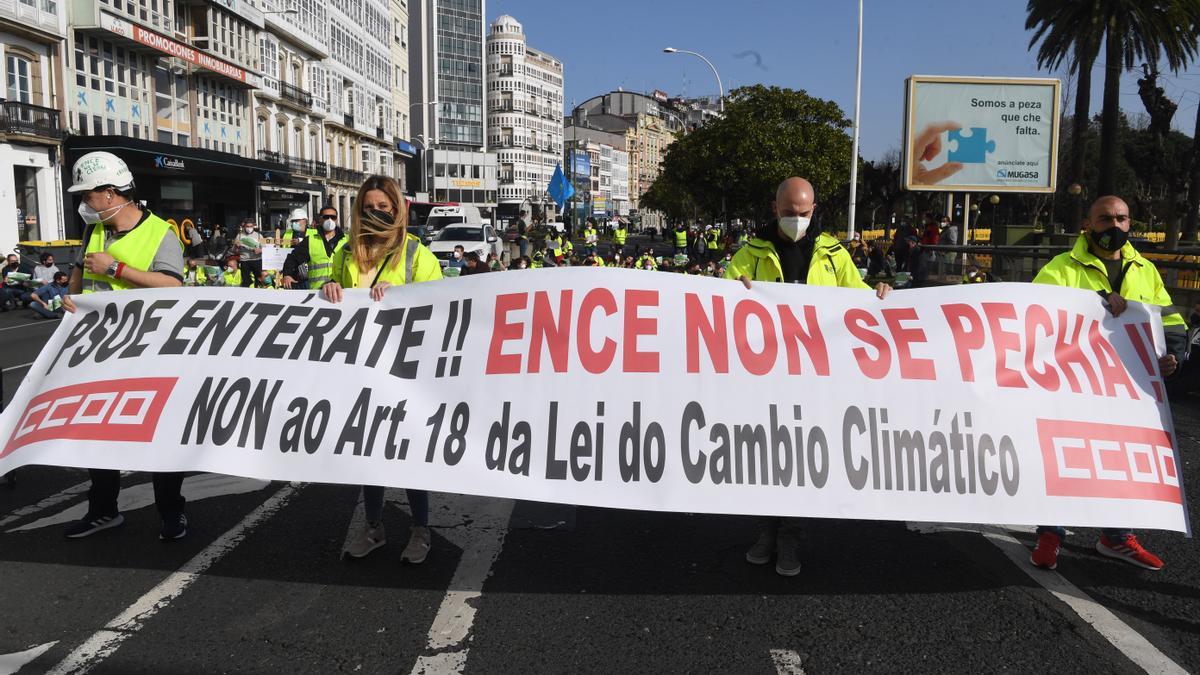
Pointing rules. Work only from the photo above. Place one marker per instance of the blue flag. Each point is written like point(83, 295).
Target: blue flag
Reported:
point(560, 188)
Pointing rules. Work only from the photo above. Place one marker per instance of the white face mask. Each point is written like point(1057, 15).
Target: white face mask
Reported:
point(794, 227)
point(247, 229)
point(457, 255)
point(297, 225)
point(92, 216)
point(329, 225)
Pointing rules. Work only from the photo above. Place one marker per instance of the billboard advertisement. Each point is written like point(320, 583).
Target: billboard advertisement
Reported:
point(981, 133)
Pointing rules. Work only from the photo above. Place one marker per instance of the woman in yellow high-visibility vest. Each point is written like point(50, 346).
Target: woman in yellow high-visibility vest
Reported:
point(380, 253)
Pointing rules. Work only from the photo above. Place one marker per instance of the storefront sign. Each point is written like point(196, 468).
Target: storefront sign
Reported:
point(177, 49)
point(406, 148)
point(173, 163)
point(466, 183)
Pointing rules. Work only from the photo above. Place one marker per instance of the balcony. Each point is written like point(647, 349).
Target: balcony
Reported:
point(303, 167)
point(294, 94)
point(26, 119)
point(346, 175)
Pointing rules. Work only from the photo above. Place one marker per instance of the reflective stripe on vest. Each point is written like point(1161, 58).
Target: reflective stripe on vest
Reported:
point(136, 249)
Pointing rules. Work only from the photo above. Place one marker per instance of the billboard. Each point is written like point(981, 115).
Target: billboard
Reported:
point(981, 133)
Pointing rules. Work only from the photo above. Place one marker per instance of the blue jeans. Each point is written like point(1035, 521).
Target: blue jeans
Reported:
point(418, 501)
point(1113, 533)
point(41, 311)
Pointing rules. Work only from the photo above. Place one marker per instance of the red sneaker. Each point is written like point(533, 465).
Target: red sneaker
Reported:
point(1130, 551)
point(1045, 555)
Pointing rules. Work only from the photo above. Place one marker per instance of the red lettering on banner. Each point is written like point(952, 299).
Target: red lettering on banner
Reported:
point(967, 338)
point(910, 368)
point(697, 327)
point(1003, 342)
point(755, 363)
point(808, 335)
point(1083, 459)
point(595, 362)
point(111, 410)
point(499, 363)
point(860, 322)
point(1111, 370)
point(634, 361)
point(555, 333)
point(1036, 317)
point(1069, 352)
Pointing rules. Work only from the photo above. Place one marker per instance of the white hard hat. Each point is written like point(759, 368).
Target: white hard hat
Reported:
point(298, 213)
point(100, 169)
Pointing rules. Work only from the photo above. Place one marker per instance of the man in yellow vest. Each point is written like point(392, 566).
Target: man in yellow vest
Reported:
point(1104, 261)
point(788, 250)
point(712, 239)
point(619, 235)
point(125, 247)
point(681, 239)
point(590, 238)
point(312, 258)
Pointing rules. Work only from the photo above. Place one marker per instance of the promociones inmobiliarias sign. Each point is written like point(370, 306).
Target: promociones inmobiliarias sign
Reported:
point(1006, 403)
point(980, 133)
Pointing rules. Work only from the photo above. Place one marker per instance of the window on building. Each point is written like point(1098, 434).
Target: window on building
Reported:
point(20, 86)
point(28, 216)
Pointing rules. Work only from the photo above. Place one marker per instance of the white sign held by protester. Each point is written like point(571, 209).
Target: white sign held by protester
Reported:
point(1004, 403)
point(981, 133)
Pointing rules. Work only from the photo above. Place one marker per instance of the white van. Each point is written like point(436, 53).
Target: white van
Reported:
point(441, 216)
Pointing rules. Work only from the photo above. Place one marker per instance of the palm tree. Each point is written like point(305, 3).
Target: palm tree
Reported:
point(1131, 31)
point(1139, 30)
point(1069, 31)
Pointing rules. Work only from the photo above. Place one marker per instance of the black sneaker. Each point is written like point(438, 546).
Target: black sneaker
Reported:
point(174, 527)
point(92, 524)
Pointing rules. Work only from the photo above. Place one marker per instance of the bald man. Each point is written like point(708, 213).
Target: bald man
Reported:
point(788, 250)
point(1104, 261)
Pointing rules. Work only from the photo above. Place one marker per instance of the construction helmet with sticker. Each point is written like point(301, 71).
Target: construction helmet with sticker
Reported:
point(100, 169)
point(298, 213)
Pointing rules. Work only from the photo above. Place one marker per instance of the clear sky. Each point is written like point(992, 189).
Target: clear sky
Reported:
point(803, 44)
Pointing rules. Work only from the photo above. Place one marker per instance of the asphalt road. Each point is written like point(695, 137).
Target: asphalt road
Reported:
point(258, 586)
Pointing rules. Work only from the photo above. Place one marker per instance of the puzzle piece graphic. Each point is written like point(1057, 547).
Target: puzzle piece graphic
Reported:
point(971, 149)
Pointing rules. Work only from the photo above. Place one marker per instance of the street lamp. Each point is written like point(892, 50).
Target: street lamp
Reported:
point(720, 87)
point(994, 200)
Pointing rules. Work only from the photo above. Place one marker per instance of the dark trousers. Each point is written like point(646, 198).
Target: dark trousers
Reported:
point(106, 485)
point(251, 271)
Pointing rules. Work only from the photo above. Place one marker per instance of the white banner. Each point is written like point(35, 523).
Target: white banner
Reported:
point(1003, 403)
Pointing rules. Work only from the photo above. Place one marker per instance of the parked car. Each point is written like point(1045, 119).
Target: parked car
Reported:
point(444, 216)
point(478, 237)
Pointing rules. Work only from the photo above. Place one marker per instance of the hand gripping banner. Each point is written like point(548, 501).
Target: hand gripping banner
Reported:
point(994, 403)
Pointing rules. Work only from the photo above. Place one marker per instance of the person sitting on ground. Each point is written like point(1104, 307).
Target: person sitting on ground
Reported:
point(458, 261)
point(47, 300)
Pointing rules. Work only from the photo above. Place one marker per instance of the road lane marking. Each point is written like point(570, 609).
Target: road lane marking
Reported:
point(1119, 634)
point(787, 662)
point(49, 502)
point(19, 367)
point(107, 640)
point(11, 663)
point(477, 526)
point(134, 497)
point(35, 323)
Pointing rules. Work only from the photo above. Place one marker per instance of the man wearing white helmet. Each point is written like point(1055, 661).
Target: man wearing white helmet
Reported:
point(297, 224)
point(125, 247)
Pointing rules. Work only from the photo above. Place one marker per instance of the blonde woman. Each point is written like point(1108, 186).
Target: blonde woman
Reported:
point(380, 253)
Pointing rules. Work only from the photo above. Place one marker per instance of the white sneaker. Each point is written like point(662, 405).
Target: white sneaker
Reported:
point(369, 539)
point(418, 546)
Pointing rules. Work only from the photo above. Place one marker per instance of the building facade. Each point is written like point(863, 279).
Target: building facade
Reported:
point(446, 92)
point(525, 99)
point(404, 153)
point(168, 86)
point(31, 132)
point(290, 107)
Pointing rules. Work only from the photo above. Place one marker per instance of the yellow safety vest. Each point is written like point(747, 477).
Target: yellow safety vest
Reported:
point(408, 264)
point(830, 264)
point(233, 278)
point(319, 262)
point(681, 238)
point(713, 237)
point(1080, 268)
point(619, 236)
point(136, 249)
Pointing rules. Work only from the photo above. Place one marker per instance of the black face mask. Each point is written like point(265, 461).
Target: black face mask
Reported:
point(1111, 240)
point(379, 216)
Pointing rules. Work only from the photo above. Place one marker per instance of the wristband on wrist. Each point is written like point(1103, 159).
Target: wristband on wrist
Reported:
point(120, 270)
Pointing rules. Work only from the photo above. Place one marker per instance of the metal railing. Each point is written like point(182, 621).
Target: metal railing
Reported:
point(306, 167)
point(346, 175)
point(30, 120)
point(290, 92)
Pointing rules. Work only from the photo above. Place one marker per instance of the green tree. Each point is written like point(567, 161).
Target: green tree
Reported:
point(733, 164)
